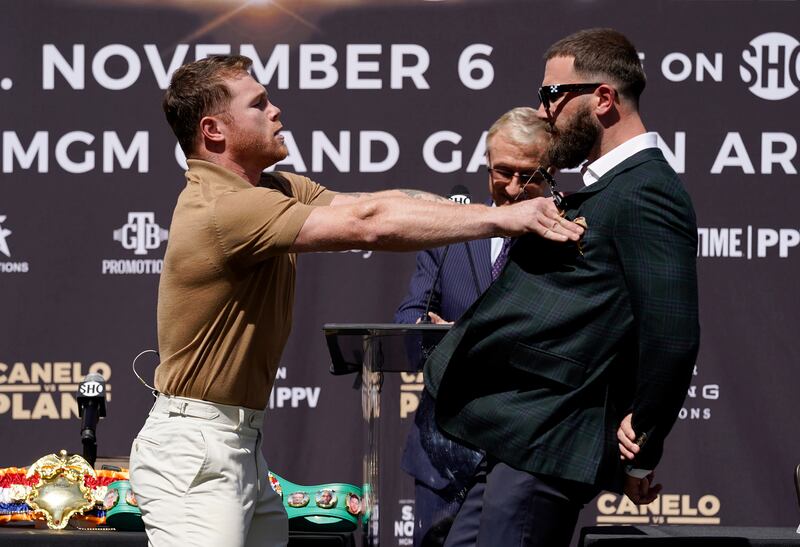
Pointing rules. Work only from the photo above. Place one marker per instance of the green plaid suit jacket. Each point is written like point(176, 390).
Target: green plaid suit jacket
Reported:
point(564, 345)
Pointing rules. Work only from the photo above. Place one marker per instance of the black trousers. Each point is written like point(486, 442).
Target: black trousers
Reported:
point(511, 508)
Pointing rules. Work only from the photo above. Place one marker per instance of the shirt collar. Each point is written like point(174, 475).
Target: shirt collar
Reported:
point(215, 174)
point(606, 162)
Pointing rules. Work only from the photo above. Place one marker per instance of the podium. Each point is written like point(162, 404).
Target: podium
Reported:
point(385, 357)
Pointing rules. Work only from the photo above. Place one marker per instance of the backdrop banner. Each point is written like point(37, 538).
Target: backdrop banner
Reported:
point(379, 94)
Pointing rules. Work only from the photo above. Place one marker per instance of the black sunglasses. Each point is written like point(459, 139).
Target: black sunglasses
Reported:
point(550, 93)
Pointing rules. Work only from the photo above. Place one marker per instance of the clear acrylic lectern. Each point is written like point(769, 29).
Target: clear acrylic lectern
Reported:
point(389, 359)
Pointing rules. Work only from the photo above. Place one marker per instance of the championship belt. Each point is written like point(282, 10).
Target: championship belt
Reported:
point(122, 509)
point(57, 490)
point(333, 507)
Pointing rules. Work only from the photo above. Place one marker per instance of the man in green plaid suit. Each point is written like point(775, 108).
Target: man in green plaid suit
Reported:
point(573, 340)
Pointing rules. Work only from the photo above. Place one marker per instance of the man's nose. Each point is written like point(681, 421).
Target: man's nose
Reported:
point(543, 113)
point(514, 186)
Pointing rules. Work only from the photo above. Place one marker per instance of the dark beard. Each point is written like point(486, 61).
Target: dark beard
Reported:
point(571, 146)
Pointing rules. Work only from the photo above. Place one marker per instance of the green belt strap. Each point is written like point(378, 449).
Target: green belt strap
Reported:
point(333, 507)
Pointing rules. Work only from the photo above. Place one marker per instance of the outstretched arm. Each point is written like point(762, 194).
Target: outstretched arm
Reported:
point(352, 197)
point(388, 222)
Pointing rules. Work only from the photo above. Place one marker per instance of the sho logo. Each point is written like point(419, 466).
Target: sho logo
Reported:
point(91, 389)
point(4, 233)
point(771, 66)
point(141, 233)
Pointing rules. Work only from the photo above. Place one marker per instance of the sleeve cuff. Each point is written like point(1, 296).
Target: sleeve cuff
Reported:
point(636, 472)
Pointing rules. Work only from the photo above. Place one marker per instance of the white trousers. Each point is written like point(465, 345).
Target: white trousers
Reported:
point(200, 479)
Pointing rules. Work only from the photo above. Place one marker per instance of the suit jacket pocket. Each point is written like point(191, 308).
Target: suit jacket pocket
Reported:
point(538, 362)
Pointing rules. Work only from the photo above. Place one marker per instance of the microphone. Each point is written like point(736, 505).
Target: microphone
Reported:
point(459, 194)
point(91, 407)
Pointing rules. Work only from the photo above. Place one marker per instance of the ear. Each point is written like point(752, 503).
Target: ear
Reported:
point(606, 99)
point(212, 129)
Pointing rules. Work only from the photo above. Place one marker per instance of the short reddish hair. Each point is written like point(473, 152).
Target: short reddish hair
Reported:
point(198, 89)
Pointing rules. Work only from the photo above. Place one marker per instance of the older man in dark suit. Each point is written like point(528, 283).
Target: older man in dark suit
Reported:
point(572, 340)
point(446, 282)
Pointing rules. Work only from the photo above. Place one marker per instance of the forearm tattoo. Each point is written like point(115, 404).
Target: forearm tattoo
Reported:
point(419, 194)
point(413, 194)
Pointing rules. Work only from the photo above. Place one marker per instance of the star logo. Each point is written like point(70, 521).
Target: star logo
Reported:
point(553, 89)
point(4, 232)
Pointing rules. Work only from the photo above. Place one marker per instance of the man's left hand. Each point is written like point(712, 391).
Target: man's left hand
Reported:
point(641, 491)
point(627, 439)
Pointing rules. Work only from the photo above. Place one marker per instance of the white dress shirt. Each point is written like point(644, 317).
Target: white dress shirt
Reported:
point(612, 158)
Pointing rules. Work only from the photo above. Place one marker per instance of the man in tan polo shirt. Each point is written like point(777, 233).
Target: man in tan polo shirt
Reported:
point(226, 294)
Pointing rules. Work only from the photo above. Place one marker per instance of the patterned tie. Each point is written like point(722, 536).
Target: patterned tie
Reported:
point(502, 258)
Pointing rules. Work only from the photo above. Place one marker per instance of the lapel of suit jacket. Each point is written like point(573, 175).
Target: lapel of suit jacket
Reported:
point(638, 158)
point(481, 251)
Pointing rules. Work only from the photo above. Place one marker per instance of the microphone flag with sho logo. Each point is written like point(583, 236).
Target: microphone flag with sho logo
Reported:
point(460, 194)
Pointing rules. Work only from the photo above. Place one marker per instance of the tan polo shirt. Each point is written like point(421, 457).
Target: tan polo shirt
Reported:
point(227, 286)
